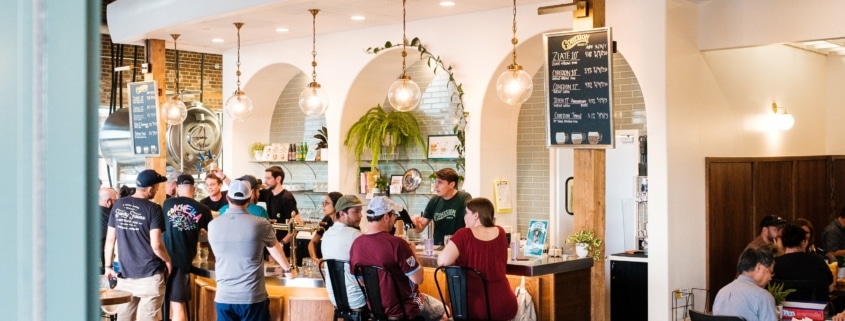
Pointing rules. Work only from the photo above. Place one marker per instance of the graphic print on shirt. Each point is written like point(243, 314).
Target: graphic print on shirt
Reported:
point(184, 217)
point(445, 215)
point(128, 217)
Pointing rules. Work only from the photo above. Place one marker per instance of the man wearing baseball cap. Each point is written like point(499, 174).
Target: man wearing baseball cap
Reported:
point(237, 239)
point(251, 207)
point(186, 217)
point(771, 228)
point(137, 224)
point(170, 187)
point(337, 241)
point(377, 247)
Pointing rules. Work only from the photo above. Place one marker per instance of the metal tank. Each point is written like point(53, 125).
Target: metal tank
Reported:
point(200, 133)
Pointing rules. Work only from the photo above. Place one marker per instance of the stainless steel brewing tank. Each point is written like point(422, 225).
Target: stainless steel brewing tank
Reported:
point(200, 133)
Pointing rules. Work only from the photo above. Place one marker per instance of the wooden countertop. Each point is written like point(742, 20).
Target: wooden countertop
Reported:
point(533, 266)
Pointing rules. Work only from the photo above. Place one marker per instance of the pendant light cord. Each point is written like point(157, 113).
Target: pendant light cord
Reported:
point(514, 41)
point(238, 64)
point(404, 39)
point(176, 51)
point(314, 44)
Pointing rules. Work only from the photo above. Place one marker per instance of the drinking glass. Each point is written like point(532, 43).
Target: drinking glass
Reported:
point(203, 254)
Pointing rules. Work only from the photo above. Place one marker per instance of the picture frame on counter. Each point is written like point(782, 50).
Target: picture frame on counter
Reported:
point(443, 147)
point(395, 184)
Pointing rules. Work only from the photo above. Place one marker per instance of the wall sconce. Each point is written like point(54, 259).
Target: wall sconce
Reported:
point(780, 119)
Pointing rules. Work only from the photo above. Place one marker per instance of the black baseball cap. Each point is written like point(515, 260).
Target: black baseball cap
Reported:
point(772, 220)
point(185, 179)
point(149, 177)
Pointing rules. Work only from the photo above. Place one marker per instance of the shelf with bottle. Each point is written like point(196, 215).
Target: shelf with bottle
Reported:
point(314, 166)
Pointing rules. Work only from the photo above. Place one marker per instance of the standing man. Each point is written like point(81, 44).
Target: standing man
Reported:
point(186, 218)
point(447, 209)
point(337, 241)
point(833, 237)
point(377, 247)
point(215, 199)
point(170, 187)
point(746, 297)
point(237, 239)
point(251, 207)
point(106, 201)
point(771, 228)
point(137, 224)
point(281, 205)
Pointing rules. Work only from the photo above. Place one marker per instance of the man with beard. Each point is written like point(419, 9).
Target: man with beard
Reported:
point(137, 224)
point(447, 209)
point(337, 241)
point(771, 228)
point(281, 205)
point(106, 200)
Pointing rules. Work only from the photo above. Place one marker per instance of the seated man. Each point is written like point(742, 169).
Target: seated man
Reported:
point(796, 264)
point(771, 227)
point(746, 297)
point(377, 247)
point(336, 244)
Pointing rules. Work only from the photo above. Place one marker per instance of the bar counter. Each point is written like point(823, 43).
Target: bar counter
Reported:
point(559, 287)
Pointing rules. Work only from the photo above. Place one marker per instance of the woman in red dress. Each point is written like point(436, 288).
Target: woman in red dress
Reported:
point(482, 246)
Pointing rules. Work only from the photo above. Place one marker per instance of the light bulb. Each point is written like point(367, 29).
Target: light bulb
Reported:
point(514, 86)
point(174, 111)
point(404, 94)
point(783, 121)
point(313, 101)
point(239, 106)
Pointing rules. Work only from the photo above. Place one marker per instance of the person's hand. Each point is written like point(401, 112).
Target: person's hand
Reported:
point(110, 273)
point(169, 268)
point(839, 317)
point(286, 239)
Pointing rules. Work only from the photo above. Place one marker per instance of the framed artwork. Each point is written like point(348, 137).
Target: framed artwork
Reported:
point(569, 184)
point(502, 193)
point(395, 184)
point(535, 238)
point(443, 147)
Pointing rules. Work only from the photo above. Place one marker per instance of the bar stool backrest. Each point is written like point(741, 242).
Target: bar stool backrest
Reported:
point(456, 282)
point(372, 292)
point(699, 316)
point(337, 278)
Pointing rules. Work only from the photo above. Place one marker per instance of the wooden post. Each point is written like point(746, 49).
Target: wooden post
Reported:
point(589, 187)
point(156, 58)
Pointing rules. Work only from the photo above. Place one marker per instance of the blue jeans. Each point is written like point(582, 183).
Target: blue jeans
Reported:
point(243, 312)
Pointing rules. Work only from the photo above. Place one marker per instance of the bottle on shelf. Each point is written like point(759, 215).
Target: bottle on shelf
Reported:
point(290, 153)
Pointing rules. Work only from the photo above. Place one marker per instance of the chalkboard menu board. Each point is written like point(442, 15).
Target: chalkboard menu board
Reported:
point(143, 117)
point(578, 84)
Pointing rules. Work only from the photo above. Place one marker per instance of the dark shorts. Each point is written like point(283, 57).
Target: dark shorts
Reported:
point(243, 312)
point(178, 285)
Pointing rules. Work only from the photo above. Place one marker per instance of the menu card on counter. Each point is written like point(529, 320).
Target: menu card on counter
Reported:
point(579, 111)
point(143, 117)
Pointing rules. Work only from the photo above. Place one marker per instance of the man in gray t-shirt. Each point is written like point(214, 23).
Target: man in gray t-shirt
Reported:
point(238, 239)
point(337, 241)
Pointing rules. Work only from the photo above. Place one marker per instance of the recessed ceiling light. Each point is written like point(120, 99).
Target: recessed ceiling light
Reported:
point(357, 18)
point(217, 40)
point(447, 3)
point(282, 30)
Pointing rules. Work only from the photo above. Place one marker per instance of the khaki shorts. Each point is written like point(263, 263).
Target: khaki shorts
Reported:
point(147, 297)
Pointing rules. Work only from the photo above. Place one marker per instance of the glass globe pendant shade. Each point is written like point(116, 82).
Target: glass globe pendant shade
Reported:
point(783, 121)
point(404, 94)
point(175, 111)
point(239, 106)
point(514, 86)
point(313, 101)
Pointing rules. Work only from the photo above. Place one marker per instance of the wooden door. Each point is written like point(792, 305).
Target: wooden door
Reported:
point(773, 192)
point(813, 198)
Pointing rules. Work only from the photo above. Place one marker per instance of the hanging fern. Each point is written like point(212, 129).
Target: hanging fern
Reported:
point(458, 96)
point(377, 129)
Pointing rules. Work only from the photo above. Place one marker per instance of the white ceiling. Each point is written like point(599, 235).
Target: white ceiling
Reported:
point(201, 21)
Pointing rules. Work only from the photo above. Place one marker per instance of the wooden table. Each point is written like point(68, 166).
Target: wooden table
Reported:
point(112, 297)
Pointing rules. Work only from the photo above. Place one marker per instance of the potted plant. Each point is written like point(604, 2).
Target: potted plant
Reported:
point(256, 150)
point(586, 241)
point(323, 144)
point(381, 186)
point(777, 291)
point(380, 131)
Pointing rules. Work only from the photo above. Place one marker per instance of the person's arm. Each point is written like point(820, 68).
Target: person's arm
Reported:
point(158, 248)
point(108, 254)
point(839, 317)
point(278, 254)
point(418, 277)
point(449, 255)
point(420, 223)
point(312, 247)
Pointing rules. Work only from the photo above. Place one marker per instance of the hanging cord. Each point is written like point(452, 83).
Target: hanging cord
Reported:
point(176, 53)
point(404, 40)
point(120, 76)
point(113, 88)
point(314, 44)
point(202, 75)
point(238, 64)
point(514, 40)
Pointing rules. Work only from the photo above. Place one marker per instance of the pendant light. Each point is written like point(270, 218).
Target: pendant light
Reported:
point(174, 108)
point(404, 94)
point(313, 101)
point(239, 106)
point(514, 85)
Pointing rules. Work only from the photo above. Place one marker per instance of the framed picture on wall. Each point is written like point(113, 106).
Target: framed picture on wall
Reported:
point(502, 192)
point(395, 184)
point(443, 147)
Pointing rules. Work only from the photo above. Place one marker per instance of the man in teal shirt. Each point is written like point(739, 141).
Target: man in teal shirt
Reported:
point(251, 207)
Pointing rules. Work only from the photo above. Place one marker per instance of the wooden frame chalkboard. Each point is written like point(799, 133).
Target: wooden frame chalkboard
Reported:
point(143, 118)
point(579, 87)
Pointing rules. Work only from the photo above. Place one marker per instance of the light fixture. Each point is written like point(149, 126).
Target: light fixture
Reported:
point(780, 119)
point(239, 106)
point(404, 94)
point(174, 108)
point(282, 29)
point(217, 40)
point(313, 101)
point(357, 18)
point(447, 3)
point(514, 85)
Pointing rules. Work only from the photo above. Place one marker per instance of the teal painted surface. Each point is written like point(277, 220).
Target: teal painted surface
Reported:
point(68, 50)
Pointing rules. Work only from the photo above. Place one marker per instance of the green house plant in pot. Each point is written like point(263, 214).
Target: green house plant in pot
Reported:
point(381, 132)
point(256, 150)
point(585, 242)
point(322, 144)
point(777, 291)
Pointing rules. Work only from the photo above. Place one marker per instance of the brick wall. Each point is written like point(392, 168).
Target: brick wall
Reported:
point(190, 65)
point(532, 172)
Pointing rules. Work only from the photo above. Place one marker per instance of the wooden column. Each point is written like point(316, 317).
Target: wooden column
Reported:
point(589, 187)
point(156, 57)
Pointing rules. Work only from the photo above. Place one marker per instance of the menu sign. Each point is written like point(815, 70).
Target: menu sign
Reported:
point(143, 118)
point(578, 84)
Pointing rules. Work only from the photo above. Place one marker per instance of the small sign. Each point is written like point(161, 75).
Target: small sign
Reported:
point(143, 118)
point(443, 147)
point(535, 239)
point(579, 74)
